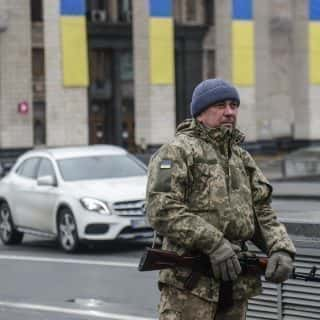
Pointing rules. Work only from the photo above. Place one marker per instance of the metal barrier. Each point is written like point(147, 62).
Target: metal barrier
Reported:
point(292, 300)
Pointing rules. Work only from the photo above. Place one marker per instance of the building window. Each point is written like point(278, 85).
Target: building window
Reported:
point(109, 11)
point(38, 63)
point(124, 11)
point(126, 66)
point(100, 66)
point(177, 11)
point(191, 10)
point(38, 74)
point(100, 122)
point(98, 10)
point(39, 123)
point(127, 133)
point(36, 10)
point(209, 12)
point(100, 72)
point(39, 111)
point(210, 64)
point(97, 4)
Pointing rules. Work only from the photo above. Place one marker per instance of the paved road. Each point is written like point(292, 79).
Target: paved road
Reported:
point(40, 282)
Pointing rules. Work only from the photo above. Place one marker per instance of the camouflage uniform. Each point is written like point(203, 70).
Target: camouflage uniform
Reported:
point(202, 187)
point(176, 304)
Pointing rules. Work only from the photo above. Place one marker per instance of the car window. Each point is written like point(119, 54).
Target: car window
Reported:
point(28, 168)
point(100, 167)
point(46, 168)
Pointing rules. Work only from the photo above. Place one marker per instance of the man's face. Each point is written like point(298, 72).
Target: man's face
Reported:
point(223, 113)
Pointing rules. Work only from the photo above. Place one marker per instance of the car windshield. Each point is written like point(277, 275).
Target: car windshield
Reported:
point(100, 167)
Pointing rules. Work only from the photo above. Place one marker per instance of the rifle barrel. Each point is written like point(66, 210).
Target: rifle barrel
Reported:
point(311, 276)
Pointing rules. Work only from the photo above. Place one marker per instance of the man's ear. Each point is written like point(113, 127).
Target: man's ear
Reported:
point(199, 117)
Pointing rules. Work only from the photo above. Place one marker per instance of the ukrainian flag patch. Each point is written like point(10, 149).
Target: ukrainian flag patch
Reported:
point(166, 164)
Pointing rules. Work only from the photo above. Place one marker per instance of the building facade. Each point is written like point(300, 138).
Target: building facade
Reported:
point(127, 76)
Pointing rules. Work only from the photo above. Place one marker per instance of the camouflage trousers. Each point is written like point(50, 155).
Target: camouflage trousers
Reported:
point(178, 304)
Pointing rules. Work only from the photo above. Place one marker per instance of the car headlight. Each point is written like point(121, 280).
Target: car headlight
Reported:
point(95, 205)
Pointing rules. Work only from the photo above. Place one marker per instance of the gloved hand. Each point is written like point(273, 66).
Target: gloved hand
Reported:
point(224, 262)
point(279, 267)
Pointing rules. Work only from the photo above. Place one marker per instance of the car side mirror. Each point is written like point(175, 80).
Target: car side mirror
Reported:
point(46, 181)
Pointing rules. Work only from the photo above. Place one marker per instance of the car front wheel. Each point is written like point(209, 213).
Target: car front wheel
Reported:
point(67, 231)
point(8, 233)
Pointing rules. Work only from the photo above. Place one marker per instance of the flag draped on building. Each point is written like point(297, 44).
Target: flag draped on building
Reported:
point(314, 41)
point(161, 43)
point(243, 57)
point(74, 43)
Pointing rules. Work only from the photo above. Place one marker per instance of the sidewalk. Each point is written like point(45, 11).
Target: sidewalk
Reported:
point(296, 190)
point(297, 206)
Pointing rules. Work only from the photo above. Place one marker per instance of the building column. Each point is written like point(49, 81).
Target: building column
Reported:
point(235, 59)
point(141, 71)
point(66, 89)
point(274, 111)
point(154, 87)
point(3, 16)
point(263, 70)
point(306, 80)
point(243, 63)
point(15, 75)
point(281, 27)
point(223, 27)
point(300, 80)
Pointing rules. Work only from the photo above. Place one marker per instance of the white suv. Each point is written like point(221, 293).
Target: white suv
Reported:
point(74, 194)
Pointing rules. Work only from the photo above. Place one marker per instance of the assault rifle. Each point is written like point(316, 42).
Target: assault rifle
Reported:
point(157, 259)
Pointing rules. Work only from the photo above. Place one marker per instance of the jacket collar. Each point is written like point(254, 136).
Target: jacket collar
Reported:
point(219, 135)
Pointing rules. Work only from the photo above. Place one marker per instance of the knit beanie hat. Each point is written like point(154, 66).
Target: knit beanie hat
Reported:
point(211, 91)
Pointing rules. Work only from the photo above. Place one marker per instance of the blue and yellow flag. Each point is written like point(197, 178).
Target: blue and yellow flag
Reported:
point(243, 57)
point(314, 41)
point(161, 42)
point(74, 43)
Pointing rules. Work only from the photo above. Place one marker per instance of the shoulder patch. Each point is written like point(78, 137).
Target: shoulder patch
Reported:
point(166, 164)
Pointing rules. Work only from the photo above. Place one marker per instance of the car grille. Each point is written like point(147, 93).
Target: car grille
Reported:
point(130, 208)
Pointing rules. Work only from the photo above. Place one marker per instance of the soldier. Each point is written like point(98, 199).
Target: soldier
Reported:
point(206, 195)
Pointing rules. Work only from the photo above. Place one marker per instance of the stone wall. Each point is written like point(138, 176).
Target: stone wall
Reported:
point(16, 129)
point(66, 108)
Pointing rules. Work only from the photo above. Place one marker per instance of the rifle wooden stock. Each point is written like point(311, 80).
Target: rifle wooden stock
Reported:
point(157, 259)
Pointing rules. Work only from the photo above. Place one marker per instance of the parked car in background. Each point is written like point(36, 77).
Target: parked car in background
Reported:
point(74, 194)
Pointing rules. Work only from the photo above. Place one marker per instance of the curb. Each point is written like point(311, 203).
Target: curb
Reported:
point(310, 197)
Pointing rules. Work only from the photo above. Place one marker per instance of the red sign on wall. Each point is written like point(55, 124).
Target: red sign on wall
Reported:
point(23, 107)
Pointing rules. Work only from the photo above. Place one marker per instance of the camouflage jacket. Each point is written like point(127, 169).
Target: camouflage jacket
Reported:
point(202, 187)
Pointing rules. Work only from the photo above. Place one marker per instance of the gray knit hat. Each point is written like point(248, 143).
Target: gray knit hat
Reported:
point(211, 91)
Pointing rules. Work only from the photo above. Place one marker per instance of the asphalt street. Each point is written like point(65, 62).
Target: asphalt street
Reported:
point(38, 281)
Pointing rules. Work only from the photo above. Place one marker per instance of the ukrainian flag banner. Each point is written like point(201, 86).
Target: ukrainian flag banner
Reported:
point(314, 41)
point(243, 58)
point(161, 43)
point(74, 43)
